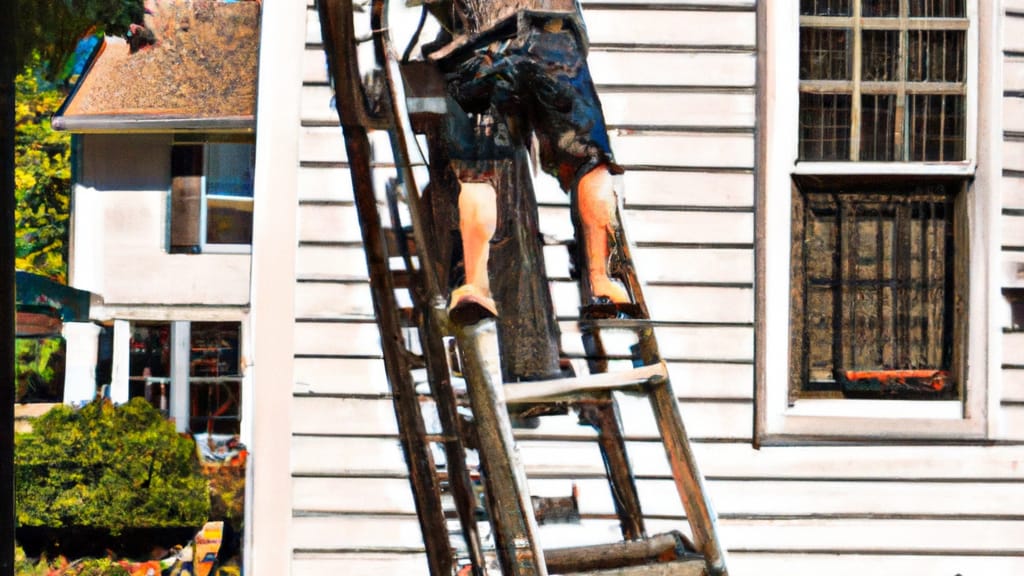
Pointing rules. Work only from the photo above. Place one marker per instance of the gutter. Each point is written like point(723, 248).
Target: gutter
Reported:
point(139, 123)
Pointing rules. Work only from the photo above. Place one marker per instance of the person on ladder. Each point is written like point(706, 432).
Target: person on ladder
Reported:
point(532, 73)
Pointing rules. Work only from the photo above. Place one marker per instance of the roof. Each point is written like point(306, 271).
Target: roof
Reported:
point(42, 304)
point(199, 75)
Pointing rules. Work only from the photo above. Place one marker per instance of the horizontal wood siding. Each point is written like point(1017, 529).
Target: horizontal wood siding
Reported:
point(1011, 417)
point(678, 83)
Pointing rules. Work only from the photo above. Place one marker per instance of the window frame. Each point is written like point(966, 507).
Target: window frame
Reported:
point(778, 421)
point(204, 246)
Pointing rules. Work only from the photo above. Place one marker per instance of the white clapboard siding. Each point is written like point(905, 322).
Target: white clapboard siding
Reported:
point(711, 69)
point(329, 532)
point(678, 82)
point(1013, 385)
point(1013, 30)
point(650, 188)
point(1013, 191)
point(331, 262)
point(668, 109)
point(661, 27)
point(1013, 229)
point(377, 455)
point(347, 456)
point(815, 564)
point(404, 562)
point(1011, 412)
point(835, 463)
point(352, 495)
point(1013, 73)
point(1013, 154)
point(777, 499)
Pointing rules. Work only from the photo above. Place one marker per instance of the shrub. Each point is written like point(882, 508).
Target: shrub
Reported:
point(109, 468)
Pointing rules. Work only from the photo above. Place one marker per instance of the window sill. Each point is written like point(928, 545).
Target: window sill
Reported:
point(874, 420)
point(963, 169)
point(226, 249)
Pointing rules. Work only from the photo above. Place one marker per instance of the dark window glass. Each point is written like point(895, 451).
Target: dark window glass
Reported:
point(880, 8)
point(877, 133)
point(936, 128)
point(877, 265)
point(824, 126)
point(826, 7)
point(825, 54)
point(937, 8)
point(936, 56)
point(215, 377)
point(880, 50)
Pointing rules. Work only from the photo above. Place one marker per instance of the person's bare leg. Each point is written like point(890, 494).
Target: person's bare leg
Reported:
point(478, 218)
point(596, 205)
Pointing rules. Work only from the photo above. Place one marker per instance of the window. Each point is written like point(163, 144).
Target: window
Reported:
point(875, 277)
point(883, 80)
point(149, 363)
point(211, 195)
point(215, 378)
point(210, 378)
point(874, 219)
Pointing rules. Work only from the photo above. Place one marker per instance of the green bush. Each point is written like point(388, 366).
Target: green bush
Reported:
point(110, 468)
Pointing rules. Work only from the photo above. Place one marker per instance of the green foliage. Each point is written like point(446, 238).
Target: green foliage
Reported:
point(39, 365)
point(96, 567)
point(52, 28)
point(25, 566)
point(108, 467)
point(42, 177)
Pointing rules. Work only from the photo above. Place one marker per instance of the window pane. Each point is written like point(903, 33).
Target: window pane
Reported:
point(824, 126)
point(824, 54)
point(149, 363)
point(215, 349)
point(936, 56)
point(825, 7)
point(877, 265)
point(229, 220)
point(229, 194)
point(215, 394)
point(880, 8)
point(230, 170)
point(937, 8)
point(880, 51)
point(877, 133)
point(936, 127)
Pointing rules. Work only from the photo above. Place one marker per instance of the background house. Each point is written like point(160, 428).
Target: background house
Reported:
point(162, 218)
point(712, 106)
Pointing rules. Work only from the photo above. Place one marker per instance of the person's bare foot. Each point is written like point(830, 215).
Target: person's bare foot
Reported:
point(604, 288)
point(470, 304)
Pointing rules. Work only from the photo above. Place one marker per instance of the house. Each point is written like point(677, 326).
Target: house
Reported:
point(162, 222)
point(821, 192)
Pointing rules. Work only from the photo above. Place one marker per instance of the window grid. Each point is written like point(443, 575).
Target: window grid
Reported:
point(914, 50)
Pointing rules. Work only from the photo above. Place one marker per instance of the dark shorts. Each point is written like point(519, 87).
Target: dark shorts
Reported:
point(538, 80)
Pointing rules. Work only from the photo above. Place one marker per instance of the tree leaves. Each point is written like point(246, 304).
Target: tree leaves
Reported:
point(42, 176)
point(108, 467)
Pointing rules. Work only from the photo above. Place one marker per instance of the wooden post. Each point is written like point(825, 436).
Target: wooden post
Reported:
point(508, 499)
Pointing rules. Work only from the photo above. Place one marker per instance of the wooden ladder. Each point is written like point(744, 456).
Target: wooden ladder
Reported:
point(409, 302)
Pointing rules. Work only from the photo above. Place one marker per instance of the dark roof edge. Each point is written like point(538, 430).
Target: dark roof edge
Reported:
point(100, 123)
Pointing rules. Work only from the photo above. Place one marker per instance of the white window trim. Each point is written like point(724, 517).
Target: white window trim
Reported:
point(813, 419)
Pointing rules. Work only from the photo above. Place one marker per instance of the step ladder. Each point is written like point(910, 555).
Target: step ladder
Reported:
point(424, 352)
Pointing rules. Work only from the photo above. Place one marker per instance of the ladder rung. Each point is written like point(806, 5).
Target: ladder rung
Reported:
point(691, 567)
point(568, 388)
point(642, 556)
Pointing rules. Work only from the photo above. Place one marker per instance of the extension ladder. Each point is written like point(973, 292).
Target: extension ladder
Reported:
point(421, 343)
